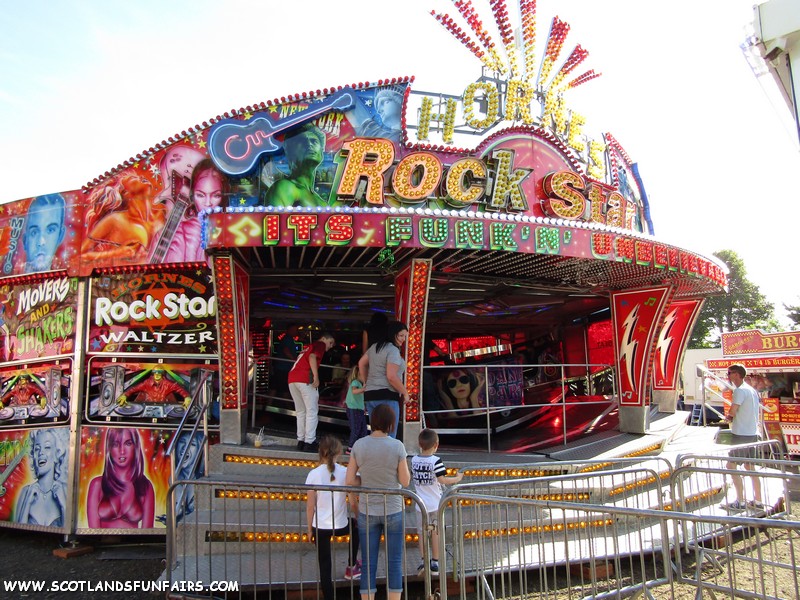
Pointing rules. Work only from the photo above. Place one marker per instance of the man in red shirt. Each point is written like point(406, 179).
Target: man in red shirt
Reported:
point(156, 389)
point(304, 388)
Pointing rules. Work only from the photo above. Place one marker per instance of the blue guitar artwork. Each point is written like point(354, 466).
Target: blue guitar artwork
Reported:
point(235, 145)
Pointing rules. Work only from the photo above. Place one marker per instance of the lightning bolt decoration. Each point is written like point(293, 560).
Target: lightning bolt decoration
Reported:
point(664, 344)
point(672, 341)
point(637, 316)
point(627, 346)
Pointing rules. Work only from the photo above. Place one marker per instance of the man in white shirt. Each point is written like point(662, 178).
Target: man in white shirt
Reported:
point(744, 425)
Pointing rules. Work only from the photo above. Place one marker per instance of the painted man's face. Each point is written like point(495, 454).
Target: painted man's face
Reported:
point(44, 231)
point(306, 146)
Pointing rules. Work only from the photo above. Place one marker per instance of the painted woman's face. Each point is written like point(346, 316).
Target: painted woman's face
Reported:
point(44, 454)
point(458, 384)
point(122, 450)
point(207, 190)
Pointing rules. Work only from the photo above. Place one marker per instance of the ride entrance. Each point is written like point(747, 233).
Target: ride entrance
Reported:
point(517, 248)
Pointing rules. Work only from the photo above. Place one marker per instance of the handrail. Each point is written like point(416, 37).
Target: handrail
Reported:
point(563, 381)
point(179, 430)
point(236, 517)
point(202, 416)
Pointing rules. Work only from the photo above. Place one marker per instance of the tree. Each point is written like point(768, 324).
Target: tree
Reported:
point(743, 307)
point(793, 312)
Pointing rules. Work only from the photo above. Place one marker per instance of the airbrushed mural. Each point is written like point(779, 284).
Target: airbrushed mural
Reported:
point(147, 392)
point(35, 478)
point(124, 478)
point(342, 149)
point(121, 301)
point(36, 393)
point(40, 234)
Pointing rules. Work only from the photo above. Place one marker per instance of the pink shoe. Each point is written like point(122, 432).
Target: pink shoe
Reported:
point(353, 572)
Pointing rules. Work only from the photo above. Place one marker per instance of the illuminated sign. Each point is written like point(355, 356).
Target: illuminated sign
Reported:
point(166, 311)
point(37, 320)
point(753, 341)
point(400, 228)
point(236, 145)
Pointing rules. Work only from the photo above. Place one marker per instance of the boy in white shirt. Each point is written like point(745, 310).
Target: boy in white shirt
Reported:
point(429, 475)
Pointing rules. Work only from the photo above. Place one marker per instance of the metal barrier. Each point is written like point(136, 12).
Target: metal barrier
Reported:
point(556, 529)
point(256, 535)
point(525, 539)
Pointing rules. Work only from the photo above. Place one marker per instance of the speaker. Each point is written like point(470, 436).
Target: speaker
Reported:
point(53, 386)
point(111, 385)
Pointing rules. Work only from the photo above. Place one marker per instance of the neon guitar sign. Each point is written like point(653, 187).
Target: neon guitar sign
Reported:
point(235, 145)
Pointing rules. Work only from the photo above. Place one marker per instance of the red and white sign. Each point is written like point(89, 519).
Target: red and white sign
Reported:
point(672, 340)
point(753, 341)
point(791, 435)
point(636, 316)
point(780, 363)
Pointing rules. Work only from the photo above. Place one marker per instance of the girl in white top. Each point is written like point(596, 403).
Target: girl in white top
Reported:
point(328, 516)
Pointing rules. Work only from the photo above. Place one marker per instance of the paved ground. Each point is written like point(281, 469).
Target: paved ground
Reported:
point(28, 556)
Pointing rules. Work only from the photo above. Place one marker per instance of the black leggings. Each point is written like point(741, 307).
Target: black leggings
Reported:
point(323, 543)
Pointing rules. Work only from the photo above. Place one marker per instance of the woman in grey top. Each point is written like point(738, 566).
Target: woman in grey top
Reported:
point(382, 369)
point(379, 461)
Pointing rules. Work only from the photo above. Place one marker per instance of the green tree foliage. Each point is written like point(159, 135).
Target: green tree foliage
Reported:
point(793, 312)
point(743, 307)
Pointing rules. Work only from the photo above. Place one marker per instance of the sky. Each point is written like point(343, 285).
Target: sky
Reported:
point(86, 84)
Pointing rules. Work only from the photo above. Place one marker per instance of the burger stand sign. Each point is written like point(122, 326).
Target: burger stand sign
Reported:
point(772, 361)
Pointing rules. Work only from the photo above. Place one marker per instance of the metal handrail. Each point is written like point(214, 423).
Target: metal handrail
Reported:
point(564, 382)
point(203, 416)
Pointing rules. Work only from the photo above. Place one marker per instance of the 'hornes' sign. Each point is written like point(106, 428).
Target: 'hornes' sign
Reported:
point(153, 312)
point(506, 144)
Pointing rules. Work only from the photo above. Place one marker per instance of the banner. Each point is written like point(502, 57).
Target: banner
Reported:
point(753, 341)
point(778, 363)
point(164, 311)
point(636, 315)
point(37, 319)
point(672, 340)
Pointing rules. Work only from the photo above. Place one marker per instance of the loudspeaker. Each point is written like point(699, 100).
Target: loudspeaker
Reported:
point(53, 386)
point(112, 385)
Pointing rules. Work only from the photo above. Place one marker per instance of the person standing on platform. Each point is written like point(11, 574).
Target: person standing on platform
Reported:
point(285, 354)
point(356, 412)
point(382, 369)
point(429, 475)
point(375, 330)
point(378, 461)
point(304, 388)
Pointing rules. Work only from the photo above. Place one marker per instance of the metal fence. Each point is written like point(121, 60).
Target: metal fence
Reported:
point(548, 538)
point(608, 529)
point(256, 536)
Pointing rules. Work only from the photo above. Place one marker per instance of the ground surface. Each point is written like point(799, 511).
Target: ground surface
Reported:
point(28, 556)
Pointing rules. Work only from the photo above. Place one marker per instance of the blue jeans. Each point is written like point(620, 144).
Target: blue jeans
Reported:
point(370, 529)
point(373, 404)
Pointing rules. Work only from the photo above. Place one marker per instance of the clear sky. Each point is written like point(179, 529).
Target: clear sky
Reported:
point(86, 84)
